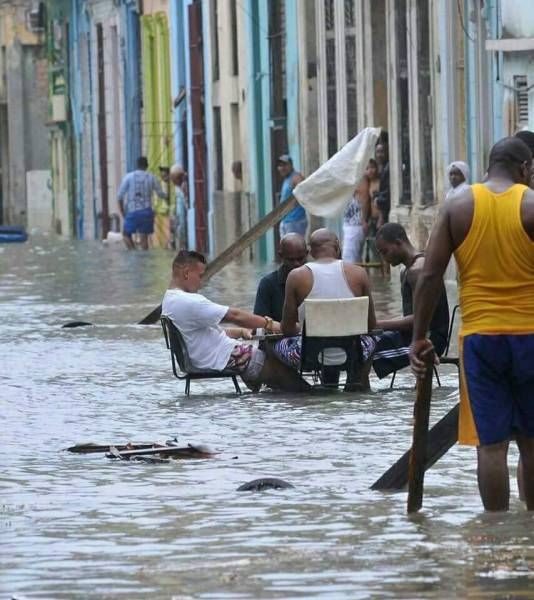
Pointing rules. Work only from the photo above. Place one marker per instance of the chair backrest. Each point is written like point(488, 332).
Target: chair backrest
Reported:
point(336, 317)
point(176, 344)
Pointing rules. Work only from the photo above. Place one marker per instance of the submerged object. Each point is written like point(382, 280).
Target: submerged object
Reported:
point(152, 451)
point(72, 324)
point(266, 483)
point(12, 233)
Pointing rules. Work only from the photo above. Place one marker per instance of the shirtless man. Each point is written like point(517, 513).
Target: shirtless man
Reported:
point(393, 345)
point(490, 230)
point(325, 277)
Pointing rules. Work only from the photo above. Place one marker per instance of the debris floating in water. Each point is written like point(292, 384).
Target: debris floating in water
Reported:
point(147, 451)
point(266, 483)
point(73, 324)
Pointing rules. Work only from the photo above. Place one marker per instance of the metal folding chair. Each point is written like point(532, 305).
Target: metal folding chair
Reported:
point(181, 362)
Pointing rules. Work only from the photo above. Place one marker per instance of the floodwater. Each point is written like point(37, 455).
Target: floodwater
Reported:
point(74, 526)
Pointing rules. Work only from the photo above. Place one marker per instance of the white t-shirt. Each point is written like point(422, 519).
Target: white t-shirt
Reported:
point(198, 320)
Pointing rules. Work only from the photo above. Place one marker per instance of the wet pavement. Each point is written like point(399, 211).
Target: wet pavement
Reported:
point(76, 526)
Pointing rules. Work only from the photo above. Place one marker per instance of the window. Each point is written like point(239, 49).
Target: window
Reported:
point(521, 101)
point(215, 49)
point(425, 99)
point(403, 100)
point(277, 58)
point(350, 68)
point(235, 51)
point(217, 129)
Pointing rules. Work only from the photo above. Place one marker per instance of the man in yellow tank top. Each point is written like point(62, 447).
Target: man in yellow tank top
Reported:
point(490, 230)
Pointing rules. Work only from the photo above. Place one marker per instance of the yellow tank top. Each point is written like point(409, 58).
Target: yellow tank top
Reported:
point(496, 266)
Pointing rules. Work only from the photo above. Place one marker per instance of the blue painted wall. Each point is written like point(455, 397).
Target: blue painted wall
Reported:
point(131, 59)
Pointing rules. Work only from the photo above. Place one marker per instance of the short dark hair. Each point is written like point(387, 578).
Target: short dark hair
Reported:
point(392, 232)
point(527, 137)
point(509, 153)
point(142, 163)
point(187, 257)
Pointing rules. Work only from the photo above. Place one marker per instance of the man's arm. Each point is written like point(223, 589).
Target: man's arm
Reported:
point(245, 319)
point(123, 190)
point(366, 287)
point(428, 289)
point(400, 324)
point(404, 323)
point(263, 305)
point(158, 189)
point(290, 315)
point(296, 179)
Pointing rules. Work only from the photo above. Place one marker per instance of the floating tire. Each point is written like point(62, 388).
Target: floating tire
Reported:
point(266, 483)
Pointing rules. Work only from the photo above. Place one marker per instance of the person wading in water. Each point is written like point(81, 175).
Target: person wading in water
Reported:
point(490, 230)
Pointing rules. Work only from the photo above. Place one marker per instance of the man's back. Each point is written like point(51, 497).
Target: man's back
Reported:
point(324, 279)
point(495, 257)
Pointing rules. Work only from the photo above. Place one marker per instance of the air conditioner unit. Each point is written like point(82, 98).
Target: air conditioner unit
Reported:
point(59, 108)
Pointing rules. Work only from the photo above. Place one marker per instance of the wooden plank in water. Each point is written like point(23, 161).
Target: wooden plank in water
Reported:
point(417, 459)
point(91, 448)
point(175, 451)
point(235, 249)
point(441, 438)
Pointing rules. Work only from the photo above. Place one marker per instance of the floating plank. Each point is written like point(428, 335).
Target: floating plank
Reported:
point(91, 448)
point(441, 438)
point(235, 249)
point(188, 451)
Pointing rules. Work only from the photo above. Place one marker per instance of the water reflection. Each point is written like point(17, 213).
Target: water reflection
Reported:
point(82, 526)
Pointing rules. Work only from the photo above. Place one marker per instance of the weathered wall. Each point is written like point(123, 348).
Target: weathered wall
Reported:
point(24, 139)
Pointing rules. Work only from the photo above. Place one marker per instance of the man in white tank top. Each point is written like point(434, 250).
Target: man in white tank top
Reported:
point(326, 277)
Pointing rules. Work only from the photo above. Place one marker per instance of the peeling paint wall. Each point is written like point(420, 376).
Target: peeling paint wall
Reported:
point(23, 113)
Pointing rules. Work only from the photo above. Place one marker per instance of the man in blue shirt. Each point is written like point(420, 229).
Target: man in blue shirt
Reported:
point(137, 188)
point(272, 288)
point(295, 221)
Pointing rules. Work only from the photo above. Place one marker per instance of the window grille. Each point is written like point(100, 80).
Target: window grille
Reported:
point(521, 100)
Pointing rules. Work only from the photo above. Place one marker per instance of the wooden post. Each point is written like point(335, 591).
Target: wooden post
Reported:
point(235, 249)
point(416, 471)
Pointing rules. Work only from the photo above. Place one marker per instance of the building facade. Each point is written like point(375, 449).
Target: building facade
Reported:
point(223, 87)
point(24, 149)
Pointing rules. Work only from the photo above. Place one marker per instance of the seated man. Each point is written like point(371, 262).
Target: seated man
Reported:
point(210, 346)
point(392, 348)
point(272, 287)
point(325, 277)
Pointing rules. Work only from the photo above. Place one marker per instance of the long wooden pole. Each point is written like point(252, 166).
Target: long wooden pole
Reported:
point(441, 438)
point(235, 249)
point(417, 462)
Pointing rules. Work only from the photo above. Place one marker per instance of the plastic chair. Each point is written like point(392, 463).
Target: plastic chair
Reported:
point(334, 324)
point(181, 362)
point(444, 359)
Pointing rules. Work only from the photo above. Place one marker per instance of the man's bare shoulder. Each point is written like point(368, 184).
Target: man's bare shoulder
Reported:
point(459, 202)
point(354, 270)
point(527, 212)
point(297, 275)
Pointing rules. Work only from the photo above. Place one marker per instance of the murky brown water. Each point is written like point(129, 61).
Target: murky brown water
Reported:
point(86, 527)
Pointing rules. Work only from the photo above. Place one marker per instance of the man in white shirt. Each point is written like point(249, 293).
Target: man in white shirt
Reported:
point(211, 347)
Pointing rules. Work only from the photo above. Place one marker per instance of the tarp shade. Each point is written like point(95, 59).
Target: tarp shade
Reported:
point(327, 191)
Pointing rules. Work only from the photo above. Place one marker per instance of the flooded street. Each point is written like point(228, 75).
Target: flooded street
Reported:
point(75, 526)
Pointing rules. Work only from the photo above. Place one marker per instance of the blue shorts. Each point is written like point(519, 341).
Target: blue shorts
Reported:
point(498, 389)
point(139, 221)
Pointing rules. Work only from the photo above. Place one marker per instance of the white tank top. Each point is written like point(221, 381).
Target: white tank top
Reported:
point(329, 282)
